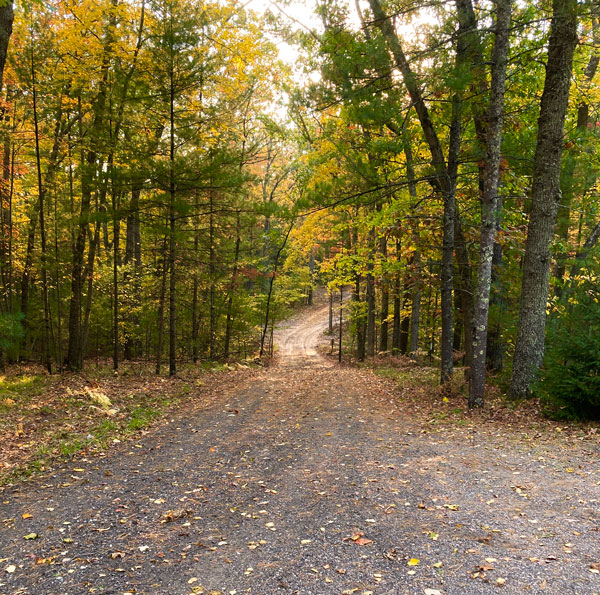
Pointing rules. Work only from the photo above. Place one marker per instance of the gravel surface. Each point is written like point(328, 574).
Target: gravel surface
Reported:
point(310, 478)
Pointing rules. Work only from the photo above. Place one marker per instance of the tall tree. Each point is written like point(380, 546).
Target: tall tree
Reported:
point(545, 197)
point(489, 201)
point(7, 17)
point(445, 181)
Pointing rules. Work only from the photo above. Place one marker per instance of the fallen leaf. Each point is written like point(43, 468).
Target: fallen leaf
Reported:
point(10, 568)
point(363, 541)
point(31, 536)
point(26, 515)
point(117, 554)
point(413, 562)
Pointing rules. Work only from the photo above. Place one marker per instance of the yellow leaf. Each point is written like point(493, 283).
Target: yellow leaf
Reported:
point(413, 562)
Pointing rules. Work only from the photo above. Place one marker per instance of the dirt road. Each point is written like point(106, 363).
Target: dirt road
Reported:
point(308, 478)
point(297, 339)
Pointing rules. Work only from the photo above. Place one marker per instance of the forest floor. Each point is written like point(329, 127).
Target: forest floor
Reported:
point(314, 478)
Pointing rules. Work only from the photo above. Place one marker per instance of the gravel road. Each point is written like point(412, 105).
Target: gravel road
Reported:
point(309, 478)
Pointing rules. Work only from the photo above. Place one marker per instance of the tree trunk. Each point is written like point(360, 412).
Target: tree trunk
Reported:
point(172, 218)
point(75, 349)
point(212, 271)
point(489, 202)
point(116, 263)
point(6, 221)
point(567, 181)
point(229, 321)
point(270, 292)
point(545, 196)
point(161, 309)
point(385, 300)
point(41, 195)
point(194, 320)
point(6, 22)
point(465, 285)
point(28, 264)
point(311, 268)
point(416, 308)
point(133, 254)
point(404, 326)
point(89, 275)
point(397, 312)
point(370, 282)
point(416, 260)
point(341, 323)
point(495, 344)
point(330, 327)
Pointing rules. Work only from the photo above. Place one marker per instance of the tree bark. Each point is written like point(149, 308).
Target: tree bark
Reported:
point(489, 202)
point(212, 330)
point(6, 23)
point(330, 326)
point(133, 255)
point(385, 301)
point(89, 276)
point(567, 181)
point(370, 283)
point(195, 284)
point(397, 314)
point(172, 218)
point(161, 308)
point(545, 197)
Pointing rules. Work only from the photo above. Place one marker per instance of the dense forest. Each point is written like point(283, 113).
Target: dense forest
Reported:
point(171, 188)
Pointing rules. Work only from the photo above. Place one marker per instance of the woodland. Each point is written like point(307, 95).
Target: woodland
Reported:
point(299, 297)
point(171, 189)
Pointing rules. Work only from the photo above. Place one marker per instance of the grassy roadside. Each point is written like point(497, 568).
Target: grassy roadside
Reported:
point(45, 420)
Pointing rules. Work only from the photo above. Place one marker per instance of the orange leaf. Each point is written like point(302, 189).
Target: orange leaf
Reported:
point(363, 541)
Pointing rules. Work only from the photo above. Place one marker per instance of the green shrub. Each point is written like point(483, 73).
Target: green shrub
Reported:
point(11, 333)
point(569, 383)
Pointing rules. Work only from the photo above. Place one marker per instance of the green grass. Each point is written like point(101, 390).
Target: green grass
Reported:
point(142, 416)
point(19, 389)
point(409, 376)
